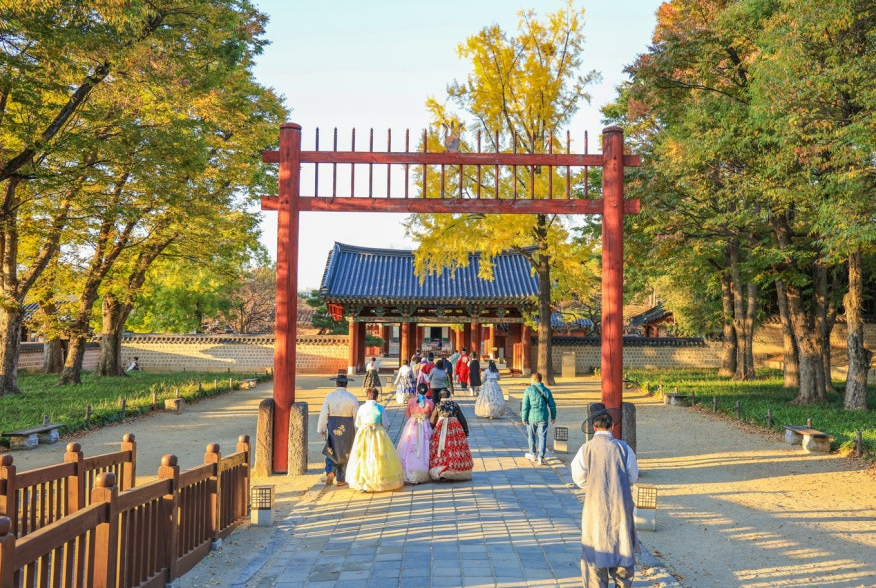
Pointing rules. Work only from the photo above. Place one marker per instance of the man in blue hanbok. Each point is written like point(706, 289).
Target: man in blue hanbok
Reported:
point(337, 424)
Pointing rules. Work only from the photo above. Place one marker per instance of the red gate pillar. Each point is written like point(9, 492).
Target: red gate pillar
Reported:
point(285, 328)
point(613, 272)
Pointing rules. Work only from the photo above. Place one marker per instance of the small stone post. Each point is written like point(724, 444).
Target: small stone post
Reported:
point(297, 460)
point(263, 464)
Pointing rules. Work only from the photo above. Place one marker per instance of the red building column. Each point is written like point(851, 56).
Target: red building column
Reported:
point(526, 338)
point(404, 342)
point(476, 339)
point(613, 273)
point(355, 336)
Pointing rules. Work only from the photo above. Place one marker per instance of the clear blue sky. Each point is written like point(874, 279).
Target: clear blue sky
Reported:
point(353, 64)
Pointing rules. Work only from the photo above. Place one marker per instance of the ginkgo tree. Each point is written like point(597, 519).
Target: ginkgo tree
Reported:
point(522, 91)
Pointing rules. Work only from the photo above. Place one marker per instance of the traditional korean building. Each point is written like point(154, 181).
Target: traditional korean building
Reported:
point(380, 287)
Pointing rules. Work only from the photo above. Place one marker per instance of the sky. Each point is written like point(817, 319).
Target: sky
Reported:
point(351, 64)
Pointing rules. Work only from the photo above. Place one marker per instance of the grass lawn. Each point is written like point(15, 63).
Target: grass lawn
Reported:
point(766, 393)
point(143, 392)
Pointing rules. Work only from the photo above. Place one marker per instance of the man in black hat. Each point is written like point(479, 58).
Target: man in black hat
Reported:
point(607, 469)
point(337, 424)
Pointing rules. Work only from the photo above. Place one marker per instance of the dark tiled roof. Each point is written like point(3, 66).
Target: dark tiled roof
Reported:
point(360, 274)
point(649, 316)
point(560, 321)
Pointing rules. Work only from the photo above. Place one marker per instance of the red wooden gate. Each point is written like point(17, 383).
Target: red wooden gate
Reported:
point(289, 202)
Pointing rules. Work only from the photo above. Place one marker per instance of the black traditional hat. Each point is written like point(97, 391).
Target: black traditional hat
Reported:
point(341, 379)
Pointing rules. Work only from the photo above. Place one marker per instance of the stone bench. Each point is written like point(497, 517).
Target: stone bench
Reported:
point(30, 438)
point(675, 399)
point(812, 441)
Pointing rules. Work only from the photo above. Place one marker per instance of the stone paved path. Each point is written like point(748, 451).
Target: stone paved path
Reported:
point(515, 524)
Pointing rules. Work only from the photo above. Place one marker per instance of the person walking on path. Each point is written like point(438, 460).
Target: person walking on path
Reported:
point(413, 445)
point(537, 408)
point(449, 452)
point(337, 425)
point(372, 376)
point(374, 465)
point(474, 375)
point(491, 401)
point(606, 468)
point(461, 371)
point(454, 358)
point(439, 377)
point(404, 383)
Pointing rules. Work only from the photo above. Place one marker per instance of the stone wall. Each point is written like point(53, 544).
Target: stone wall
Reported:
point(639, 353)
point(238, 353)
point(677, 352)
point(30, 357)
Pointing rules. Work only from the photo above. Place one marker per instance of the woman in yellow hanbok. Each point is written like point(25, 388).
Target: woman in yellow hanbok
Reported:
point(374, 465)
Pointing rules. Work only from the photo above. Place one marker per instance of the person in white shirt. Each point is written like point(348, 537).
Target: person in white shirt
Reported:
point(337, 425)
point(607, 469)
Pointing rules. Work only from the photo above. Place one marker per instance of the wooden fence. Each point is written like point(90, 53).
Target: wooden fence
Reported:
point(134, 537)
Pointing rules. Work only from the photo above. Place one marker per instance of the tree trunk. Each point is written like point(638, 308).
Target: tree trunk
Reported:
point(53, 356)
point(10, 343)
point(543, 268)
point(114, 314)
point(859, 356)
point(791, 363)
point(72, 372)
point(825, 317)
point(811, 367)
point(729, 345)
point(744, 307)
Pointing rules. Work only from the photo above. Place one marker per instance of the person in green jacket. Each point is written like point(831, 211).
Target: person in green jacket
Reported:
point(538, 406)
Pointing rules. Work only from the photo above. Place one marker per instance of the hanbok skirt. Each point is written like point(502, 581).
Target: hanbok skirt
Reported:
point(404, 390)
point(374, 465)
point(449, 453)
point(372, 380)
point(491, 401)
point(413, 449)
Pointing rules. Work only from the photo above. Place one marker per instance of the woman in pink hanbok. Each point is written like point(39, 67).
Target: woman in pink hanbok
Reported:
point(413, 446)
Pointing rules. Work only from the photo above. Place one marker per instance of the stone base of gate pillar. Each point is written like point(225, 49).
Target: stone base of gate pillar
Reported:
point(628, 424)
point(264, 450)
point(298, 439)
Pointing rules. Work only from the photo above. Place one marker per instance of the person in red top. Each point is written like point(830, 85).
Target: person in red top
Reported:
point(462, 368)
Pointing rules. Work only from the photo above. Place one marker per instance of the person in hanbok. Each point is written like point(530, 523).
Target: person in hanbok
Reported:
point(474, 375)
point(404, 383)
point(337, 425)
point(413, 446)
point(606, 468)
point(462, 369)
point(449, 453)
point(372, 375)
point(374, 465)
point(491, 401)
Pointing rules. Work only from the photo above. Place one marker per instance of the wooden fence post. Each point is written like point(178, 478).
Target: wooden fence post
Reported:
point(169, 470)
point(214, 489)
point(8, 494)
point(106, 535)
point(129, 470)
point(7, 553)
point(243, 445)
point(76, 482)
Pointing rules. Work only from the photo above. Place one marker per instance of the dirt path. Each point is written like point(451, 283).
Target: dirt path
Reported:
point(736, 508)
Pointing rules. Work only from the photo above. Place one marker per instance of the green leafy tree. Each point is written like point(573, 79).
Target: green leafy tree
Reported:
point(521, 92)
